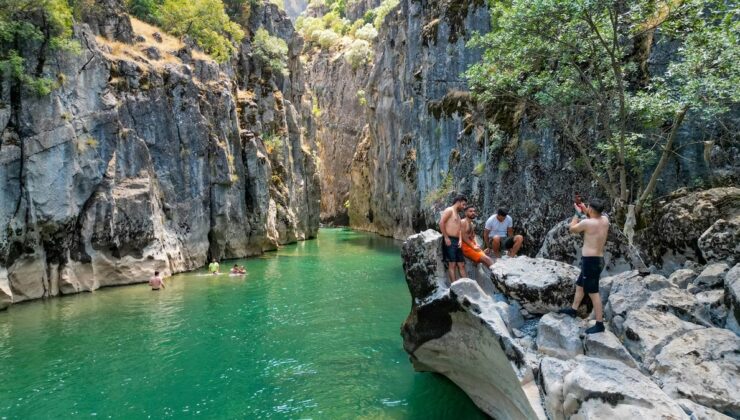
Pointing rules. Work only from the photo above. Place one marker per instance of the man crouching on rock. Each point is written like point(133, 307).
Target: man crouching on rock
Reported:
point(450, 227)
point(595, 230)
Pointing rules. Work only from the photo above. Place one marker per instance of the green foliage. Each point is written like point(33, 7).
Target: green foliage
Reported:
point(38, 27)
point(146, 10)
point(272, 141)
point(580, 68)
point(382, 11)
point(367, 32)
point(479, 169)
point(206, 22)
point(272, 50)
point(358, 53)
point(361, 97)
point(326, 38)
point(315, 110)
point(441, 193)
point(279, 3)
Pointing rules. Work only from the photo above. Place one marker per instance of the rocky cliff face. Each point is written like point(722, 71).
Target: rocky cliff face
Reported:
point(419, 138)
point(670, 349)
point(150, 156)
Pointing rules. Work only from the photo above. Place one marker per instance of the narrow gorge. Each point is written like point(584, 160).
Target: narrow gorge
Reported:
point(142, 136)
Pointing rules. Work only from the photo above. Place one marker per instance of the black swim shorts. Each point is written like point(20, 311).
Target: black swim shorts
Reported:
point(591, 268)
point(452, 253)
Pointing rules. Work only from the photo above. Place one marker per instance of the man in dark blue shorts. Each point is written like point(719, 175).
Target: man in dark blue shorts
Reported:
point(595, 230)
point(450, 226)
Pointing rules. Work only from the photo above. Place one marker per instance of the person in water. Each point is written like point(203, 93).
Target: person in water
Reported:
point(213, 267)
point(449, 225)
point(499, 233)
point(595, 230)
point(238, 270)
point(156, 282)
point(470, 247)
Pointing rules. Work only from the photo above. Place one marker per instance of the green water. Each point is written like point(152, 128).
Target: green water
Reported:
point(311, 332)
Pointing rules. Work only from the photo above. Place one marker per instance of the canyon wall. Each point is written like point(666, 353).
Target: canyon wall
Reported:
point(151, 156)
point(417, 139)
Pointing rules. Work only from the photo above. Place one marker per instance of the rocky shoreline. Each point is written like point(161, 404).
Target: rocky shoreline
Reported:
point(671, 349)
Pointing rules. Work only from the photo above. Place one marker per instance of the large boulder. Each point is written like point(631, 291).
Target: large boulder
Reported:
point(646, 331)
point(700, 412)
point(591, 388)
point(559, 336)
point(607, 346)
point(6, 296)
point(539, 285)
point(681, 219)
point(732, 298)
point(422, 263)
point(561, 245)
point(702, 365)
point(721, 242)
point(457, 330)
point(712, 276)
point(628, 292)
point(682, 277)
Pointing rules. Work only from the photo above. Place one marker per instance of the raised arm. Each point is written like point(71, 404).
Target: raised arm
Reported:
point(576, 226)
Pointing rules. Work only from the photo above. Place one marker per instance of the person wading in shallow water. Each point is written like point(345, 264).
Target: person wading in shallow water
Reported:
point(595, 230)
point(449, 225)
point(156, 282)
point(470, 248)
point(213, 267)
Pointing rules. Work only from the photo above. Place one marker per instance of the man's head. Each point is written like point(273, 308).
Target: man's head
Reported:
point(501, 213)
point(236, 266)
point(459, 202)
point(579, 199)
point(470, 212)
point(156, 273)
point(595, 207)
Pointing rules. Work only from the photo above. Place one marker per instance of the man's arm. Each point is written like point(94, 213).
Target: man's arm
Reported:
point(486, 232)
point(442, 221)
point(577, 226)
point(510, 232)
point(464, 229)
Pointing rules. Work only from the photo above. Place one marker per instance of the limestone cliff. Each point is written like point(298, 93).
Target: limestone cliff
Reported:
point(419, 137)
point(151, 156)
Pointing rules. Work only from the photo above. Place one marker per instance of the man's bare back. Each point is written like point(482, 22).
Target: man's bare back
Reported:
point(595, 232)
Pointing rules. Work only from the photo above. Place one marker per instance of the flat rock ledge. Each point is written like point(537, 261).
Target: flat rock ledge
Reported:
point(666, 353)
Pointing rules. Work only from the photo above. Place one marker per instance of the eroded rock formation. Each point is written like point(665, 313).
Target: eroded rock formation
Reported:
point(664, 355)
point(151, 156)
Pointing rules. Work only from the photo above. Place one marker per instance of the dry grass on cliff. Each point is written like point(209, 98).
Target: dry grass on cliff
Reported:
point(167, 47)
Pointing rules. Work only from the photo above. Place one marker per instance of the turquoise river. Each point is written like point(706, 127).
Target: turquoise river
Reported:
point(311, 332)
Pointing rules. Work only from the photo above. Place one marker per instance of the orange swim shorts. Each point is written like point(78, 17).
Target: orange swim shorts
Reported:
point(472, 254)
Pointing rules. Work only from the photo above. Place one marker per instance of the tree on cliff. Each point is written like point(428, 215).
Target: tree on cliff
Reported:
point(29, 31)
point(582, 68)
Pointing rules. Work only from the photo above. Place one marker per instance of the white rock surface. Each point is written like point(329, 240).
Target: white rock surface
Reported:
point(682, 277)
point(606, 345)
point(559, 336)
point(539, 285)
point(6, 296)
point(704, 366)
point(647, 331)
point(699, 412)
point(608, 389)
point(732, 298)
point(712, 276)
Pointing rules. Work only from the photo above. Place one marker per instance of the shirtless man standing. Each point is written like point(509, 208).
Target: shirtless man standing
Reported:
point(449, 225)
point(595, 230)
point(470, 247)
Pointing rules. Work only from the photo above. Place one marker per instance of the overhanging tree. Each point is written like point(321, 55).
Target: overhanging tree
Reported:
point(581, 67)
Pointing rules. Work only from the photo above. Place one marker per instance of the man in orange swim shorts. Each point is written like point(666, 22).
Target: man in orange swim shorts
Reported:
point(470, 247)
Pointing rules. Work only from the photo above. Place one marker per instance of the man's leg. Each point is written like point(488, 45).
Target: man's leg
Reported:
point(497, 246)
point(599, 326)
point(573, 310)
point(451, 271)
point(461, 267)
point(518, 240)
point(485, 259)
